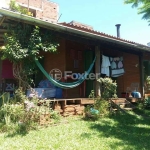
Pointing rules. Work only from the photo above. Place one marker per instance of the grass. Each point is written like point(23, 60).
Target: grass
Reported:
point(142, 110)
point(119, 132)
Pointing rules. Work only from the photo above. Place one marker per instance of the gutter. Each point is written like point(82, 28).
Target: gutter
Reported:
point(60, 28)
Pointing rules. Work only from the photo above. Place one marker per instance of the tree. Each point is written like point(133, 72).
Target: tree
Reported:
point(143, 7)
point(23, 44)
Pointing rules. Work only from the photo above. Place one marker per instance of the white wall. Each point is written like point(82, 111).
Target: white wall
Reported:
point(4, 3)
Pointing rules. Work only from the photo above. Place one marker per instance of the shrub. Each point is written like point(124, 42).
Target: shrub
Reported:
point(19, 115)
point(102, 106)
point(19, 96)
point(98, 109)
point(15, 7)
point(55, 116)
point(108, 88)
point(147, 102)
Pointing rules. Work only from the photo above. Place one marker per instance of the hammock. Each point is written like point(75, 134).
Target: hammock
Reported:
point(63, 84)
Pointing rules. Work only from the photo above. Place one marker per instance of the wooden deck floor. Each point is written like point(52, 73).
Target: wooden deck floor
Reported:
point(82, 101)
point(67, 107)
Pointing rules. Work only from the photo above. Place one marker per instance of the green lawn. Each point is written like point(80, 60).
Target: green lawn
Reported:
point(141, 110)
point(119, 132)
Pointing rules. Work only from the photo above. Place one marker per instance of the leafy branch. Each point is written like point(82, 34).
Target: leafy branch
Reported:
point(23, 44)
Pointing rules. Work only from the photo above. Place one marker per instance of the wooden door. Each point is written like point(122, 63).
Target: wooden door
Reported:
point(88, 59)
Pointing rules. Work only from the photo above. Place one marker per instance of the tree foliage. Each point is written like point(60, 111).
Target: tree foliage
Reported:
point(143, 7)
point(15, 7)
point(23, 44)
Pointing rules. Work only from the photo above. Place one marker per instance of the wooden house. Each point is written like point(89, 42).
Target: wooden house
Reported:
point(79, 44)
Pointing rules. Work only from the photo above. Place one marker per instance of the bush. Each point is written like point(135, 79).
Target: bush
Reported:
point(15, 118)
point(102, 106)
point(99, 109)
point(19, 96)
point(147, 102)
point(108, 88)
point(19, 115)
point(55, 116)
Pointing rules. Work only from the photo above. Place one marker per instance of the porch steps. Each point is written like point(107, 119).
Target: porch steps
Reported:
point(121, 104)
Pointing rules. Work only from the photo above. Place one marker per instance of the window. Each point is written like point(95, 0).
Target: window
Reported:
point(76, 63)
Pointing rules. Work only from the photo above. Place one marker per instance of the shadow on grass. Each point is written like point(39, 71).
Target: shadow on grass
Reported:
point(22, 130)
point(143, 111)
point(87, 135)
point(13, 134)
point(131, 129)
point(12, 130)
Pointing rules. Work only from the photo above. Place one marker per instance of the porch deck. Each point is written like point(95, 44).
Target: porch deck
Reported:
point(67, 107)
point(82, 101)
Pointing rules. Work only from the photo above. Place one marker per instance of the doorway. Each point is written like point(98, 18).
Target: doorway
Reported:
point(88, 59)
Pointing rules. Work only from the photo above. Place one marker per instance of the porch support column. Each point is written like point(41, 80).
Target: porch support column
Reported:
point(141, 74)
point(1, 80)
point(97, 70)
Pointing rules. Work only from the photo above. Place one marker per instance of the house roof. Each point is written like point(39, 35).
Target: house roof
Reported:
point(91, 30)
point(72, 29)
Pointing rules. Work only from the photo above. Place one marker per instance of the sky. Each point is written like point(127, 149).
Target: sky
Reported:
point(103, 15)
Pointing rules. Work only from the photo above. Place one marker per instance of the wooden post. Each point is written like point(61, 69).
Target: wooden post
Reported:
point(141, 74)
point(97, 70)
point(1, 80)
point(2, 20)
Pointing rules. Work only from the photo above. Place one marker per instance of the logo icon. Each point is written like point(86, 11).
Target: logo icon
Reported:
point(56, 74)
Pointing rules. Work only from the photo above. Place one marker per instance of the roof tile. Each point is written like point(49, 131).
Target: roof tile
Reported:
point(90, 30)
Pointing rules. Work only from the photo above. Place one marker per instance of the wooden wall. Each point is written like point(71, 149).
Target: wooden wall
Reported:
point(64, 61)
point(70, 45)
point(132, 73)
point(146, 56)
point(56, 60)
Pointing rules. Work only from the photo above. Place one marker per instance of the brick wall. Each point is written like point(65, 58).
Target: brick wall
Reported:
point(45, 9)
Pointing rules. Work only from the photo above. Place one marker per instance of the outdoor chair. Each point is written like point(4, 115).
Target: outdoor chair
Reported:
point(133, 88)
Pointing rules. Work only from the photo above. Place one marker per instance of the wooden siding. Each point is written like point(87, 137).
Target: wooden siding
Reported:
point(146, 56)
point(65, 62)
point(56, 60)
point(70, 45)
point(132, 73)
